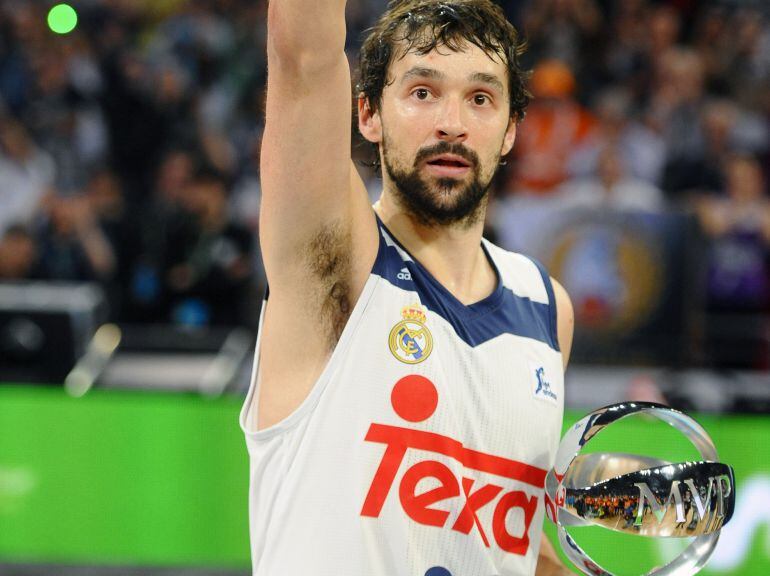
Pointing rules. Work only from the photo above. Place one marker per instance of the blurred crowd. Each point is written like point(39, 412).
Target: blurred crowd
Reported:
point(129, 154)
point(129, 148)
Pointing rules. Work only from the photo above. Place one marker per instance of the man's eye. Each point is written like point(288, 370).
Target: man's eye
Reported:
point(422, 93)
point(481, 99)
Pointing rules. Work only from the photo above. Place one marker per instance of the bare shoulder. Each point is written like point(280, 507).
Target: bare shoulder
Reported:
point(565, 316)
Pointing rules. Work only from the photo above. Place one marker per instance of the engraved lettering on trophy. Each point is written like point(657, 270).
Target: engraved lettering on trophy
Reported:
point(725, 490)
point(719, 486)
point(657, 509)
point(702, 506)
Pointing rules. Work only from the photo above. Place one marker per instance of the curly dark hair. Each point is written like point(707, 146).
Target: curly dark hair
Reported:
point(424, 25)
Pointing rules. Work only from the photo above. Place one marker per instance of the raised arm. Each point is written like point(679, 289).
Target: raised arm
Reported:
point(308, 181)
point(317, 230)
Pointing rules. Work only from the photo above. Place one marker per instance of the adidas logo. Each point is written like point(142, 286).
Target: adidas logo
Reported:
point(404, 275)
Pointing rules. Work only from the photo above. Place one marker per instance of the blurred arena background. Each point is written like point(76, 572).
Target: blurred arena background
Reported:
point(130, 278)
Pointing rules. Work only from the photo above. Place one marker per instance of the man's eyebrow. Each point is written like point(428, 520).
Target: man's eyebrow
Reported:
point(422, 72)
point(486, 78)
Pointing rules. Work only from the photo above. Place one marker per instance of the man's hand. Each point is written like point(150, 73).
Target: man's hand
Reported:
point(548, 563)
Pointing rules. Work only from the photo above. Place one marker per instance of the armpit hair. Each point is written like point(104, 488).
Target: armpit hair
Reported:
point(329, 257)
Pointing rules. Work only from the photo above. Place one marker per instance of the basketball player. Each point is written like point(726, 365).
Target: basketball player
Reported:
point(408, 392)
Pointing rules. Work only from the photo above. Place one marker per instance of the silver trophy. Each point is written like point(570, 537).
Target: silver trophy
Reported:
point(640, 495)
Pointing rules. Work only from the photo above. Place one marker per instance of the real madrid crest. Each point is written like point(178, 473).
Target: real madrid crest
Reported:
point(410, 340)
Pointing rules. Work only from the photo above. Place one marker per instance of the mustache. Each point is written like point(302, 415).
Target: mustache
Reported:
point(447, 148)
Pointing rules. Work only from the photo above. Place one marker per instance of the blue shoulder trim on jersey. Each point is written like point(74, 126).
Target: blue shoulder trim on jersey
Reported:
point(552, 301)
point(502, 312)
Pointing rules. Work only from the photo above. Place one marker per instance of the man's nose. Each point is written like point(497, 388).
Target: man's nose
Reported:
point(450, 124)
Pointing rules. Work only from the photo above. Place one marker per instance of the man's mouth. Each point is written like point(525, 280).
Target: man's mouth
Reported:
point(450, 161)
point(448, 166)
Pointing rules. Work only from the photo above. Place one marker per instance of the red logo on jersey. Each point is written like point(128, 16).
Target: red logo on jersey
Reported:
point(415, 398)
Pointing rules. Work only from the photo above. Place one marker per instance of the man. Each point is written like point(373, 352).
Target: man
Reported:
point(408, 393)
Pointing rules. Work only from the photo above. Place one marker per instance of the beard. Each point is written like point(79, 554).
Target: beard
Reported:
point(444, 201)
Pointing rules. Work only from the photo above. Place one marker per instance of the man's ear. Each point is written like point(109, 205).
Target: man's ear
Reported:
point(369, 123)
point(510, 136)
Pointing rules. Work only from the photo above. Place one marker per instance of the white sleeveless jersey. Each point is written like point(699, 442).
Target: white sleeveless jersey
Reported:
point(422, 448)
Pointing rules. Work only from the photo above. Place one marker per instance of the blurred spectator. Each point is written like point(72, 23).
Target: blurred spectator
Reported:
point(627, 35)
point(73, 246)
point(105, 197)
point(713, 41)
point(26, 173)
point(17, 254)
point(174, 175)
point(664, 23)
point(612, 188)
point(723, 128)
point(737, 225)
point(163, 234)
point(62, 114)
point(147, 109)
point(749, 67)
point(643, 151)
point(556, 124)
point(213, 282)
point(676, 101)
point(676, 110)
point(640, 33)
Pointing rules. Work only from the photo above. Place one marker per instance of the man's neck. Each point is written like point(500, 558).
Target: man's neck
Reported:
point(452, 254)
